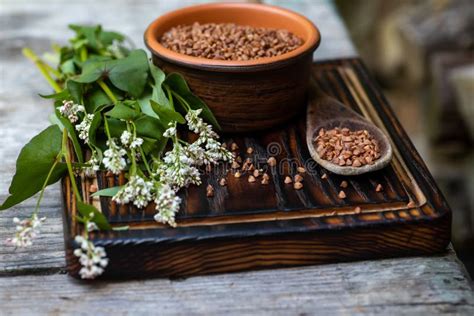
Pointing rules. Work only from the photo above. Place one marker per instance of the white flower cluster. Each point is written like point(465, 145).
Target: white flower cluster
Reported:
point(84, 127)
point(26, 231)
point(71, 110)
point(137, 190)
point(93, 259)
point(131, 141)
point(178, 169)
point(171, 131)
point(167, 205)
point(208, 138)
point(94, 165)
point(113, 157)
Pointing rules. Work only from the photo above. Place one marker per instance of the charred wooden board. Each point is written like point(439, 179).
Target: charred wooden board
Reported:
point(252, 226)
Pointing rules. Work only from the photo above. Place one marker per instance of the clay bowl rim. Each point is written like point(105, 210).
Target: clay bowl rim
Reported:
point(266, 63)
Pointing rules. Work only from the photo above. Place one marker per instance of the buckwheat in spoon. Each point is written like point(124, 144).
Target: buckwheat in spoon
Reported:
point(341, 140)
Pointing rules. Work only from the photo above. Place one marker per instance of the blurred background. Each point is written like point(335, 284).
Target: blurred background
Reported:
point(421, 53)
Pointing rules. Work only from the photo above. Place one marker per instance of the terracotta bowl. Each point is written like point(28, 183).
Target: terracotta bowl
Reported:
point(243, 95)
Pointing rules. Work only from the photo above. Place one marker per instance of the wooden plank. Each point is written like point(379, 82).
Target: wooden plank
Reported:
point(428, 285)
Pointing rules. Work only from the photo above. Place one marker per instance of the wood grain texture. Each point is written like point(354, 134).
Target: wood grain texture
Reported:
point(409, 286)
point(255, 226)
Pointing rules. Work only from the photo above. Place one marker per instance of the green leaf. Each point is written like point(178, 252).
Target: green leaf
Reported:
point(96, 120)
point(108, 192)
point(68, 67)
point(107, 38)
point(166, 115)
point(57, 96)
point(72, 135)
point(145, 106)
point(158, 94)
point(148, 126)
point(89, 33)
point(178, 85)
point(33, 165)
point(75, 90)
point(97, 217)
point(124, 111)
point(94, 100)
point(93, 71)
point(130, 73)
point(116, 127)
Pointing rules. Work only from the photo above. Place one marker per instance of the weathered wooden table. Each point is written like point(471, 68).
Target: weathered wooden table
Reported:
point(32, 281)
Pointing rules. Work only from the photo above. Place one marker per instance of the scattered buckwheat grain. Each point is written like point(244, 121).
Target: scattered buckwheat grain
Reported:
point(222, 182)
point(272, 161)
point(251, 179)
point(209, 191)
point(288, 180)
point(341, 195)
point(379, 188)
point(343, 184)
point(297, 185)
point(298, 178)
point(301, 170)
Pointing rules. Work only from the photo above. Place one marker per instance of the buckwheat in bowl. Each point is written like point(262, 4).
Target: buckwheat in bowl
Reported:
point(250, 63)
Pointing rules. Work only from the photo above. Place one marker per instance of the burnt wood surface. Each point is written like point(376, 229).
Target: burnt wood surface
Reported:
point(252, 226)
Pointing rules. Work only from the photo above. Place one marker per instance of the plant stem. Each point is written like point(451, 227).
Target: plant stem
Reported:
point(107, 91)
point(182, 100)
point(28, 53)
point(106, 124)
point(144, 160)
point(66, 155)
point(56, 161)
point(170, 96)
point(83, 53)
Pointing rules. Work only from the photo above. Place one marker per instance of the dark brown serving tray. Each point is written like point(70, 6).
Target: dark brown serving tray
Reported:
point(253, 226)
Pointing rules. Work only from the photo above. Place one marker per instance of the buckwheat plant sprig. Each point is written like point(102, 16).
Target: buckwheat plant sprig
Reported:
point(93, 259)
point(92, 96)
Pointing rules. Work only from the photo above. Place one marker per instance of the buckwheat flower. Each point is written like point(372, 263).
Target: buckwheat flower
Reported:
point(93, 259)
point(94, 165)
point(207, 138)
point(215, 150)
point(137, 190)
point(167, 205)
point(114, 157)
point(26, 231)
point(196, 124)
point(91, 226)
point(130, 141)
point(125, 137)
point(136, 142)
point(177, 168)
point(84, 126)
point(70, 110)
point(171, 131)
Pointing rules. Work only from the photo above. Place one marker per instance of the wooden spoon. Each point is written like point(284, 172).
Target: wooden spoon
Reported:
point(328, 113)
